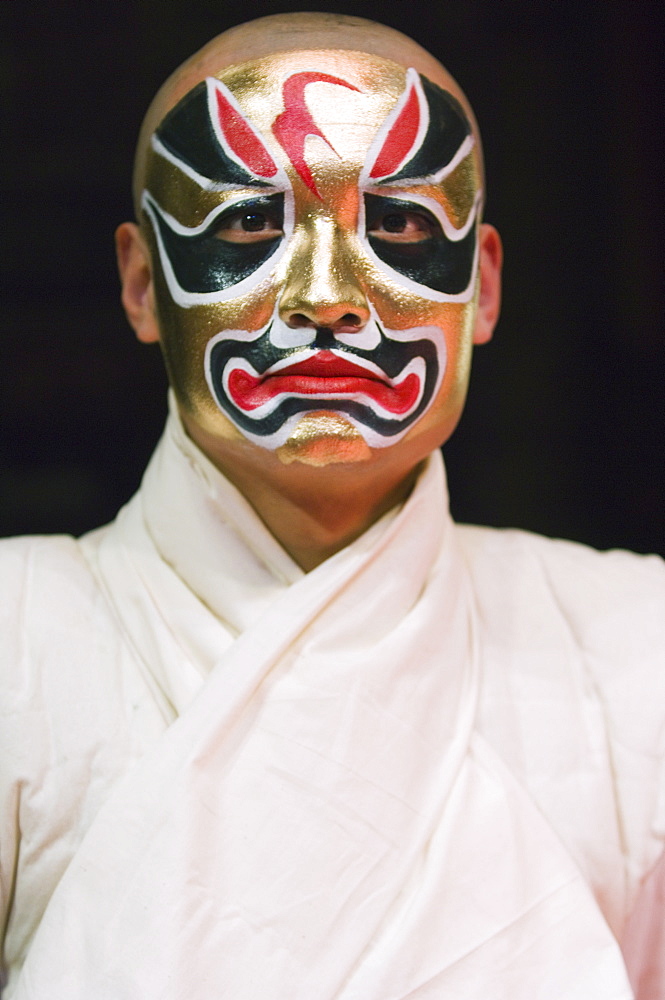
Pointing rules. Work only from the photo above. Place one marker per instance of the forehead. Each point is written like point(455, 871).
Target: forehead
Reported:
point(348, 114)
point(310, 114)
point(352, 115)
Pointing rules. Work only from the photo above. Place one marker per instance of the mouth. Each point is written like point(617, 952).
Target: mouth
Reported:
point(323, 374)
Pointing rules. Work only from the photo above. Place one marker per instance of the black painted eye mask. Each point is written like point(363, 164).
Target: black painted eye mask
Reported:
point(206, 263)
point(188, 133)
point(202, 263)
point(442, 264)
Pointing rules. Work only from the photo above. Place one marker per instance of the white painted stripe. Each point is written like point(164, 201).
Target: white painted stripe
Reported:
point(203, 182)
point(424, 291)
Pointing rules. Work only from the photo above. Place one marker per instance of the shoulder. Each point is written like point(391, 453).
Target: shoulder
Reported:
point(556, 608)
point(610, 602)
point(61, 644)
point(46, 591)
point(40, 558)
point(75, 712)
point(573, 651)
point(71, 688)
point(62, 652)
point(554, 554)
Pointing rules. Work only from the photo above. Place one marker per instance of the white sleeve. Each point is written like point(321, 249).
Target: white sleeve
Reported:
point(644, 941)
point(74, 714)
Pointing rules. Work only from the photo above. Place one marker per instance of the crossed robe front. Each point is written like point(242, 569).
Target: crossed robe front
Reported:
point(429, 768)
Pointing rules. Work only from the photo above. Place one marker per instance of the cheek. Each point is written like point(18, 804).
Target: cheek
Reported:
point(185, 334)
point(399, 309)
point(398, 306)
point(457, 322)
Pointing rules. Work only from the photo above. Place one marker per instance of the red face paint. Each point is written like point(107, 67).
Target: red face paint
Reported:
point(295, 123)
point(242, 140)
point(324, 373)
point(400, 139)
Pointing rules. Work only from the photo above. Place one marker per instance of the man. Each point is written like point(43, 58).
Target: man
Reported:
point(283, 730)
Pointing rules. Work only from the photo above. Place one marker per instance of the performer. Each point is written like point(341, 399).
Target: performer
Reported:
point(283, 729)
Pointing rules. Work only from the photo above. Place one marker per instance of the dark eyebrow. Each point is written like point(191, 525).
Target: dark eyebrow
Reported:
point(187, 134)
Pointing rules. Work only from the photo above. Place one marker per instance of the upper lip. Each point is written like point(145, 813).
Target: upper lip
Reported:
point(325, 364)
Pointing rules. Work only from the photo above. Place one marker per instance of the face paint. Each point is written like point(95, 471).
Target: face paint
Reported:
point(314, 219)
point(265, 388)
point(295, 124)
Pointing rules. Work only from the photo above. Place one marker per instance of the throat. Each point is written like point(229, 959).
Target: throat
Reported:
point(313, 509)
point(314, 528)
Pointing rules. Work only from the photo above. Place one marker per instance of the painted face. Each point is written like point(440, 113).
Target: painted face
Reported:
point(313, 218)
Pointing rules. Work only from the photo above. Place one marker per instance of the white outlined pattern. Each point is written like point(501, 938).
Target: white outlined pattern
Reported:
point(373, 438)
point(413, 84)
point(182, 296)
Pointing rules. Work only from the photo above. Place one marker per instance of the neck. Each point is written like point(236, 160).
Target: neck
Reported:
point(313, 512)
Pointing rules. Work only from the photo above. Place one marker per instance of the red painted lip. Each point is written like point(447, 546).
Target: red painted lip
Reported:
point(325, 364)
point(323, 372)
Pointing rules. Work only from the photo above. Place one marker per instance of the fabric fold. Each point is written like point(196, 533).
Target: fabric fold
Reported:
point(307, 824)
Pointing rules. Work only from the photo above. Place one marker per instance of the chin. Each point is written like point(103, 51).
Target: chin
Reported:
point(322, 439)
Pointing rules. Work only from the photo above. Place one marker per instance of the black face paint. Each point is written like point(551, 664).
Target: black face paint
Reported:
point(206, 263)
point(390, 356)
point(187, 133)
point(437, 262)
point(448, 128)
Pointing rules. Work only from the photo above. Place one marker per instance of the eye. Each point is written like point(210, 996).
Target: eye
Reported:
point(250, 225)
point(398, 225)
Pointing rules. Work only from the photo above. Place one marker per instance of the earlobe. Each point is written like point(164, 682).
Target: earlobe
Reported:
point(489, 301)
point(136, 279)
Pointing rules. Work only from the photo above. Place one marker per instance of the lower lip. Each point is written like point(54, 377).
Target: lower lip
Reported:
point(248, 392)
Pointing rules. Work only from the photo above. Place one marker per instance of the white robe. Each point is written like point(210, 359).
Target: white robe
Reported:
point(430, 768)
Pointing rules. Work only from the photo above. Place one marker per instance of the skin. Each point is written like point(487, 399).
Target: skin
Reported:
point(313, 510)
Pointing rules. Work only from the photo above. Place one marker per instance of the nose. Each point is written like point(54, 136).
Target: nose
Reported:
point(322, 289)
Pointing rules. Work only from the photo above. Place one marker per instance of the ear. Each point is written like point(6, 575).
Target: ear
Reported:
point(489, 302)
point(136, 279)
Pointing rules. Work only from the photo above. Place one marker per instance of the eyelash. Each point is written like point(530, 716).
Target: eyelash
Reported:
point(267, 208)
point(382, 209)
point(403, 213)
point(273, 214)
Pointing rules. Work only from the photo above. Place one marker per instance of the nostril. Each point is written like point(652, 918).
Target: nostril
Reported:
point(348, 322)
point(350, 319)
point(298, 319)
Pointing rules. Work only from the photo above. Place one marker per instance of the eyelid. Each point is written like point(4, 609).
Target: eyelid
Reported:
point(266, 206)
point(395, 209)
point(398, 206)
point(405, 207)
point(436, 209)
point(210, 223)
point(235, 219)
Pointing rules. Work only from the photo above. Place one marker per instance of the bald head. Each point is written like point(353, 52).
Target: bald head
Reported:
point(288, 33)
point(310, 189)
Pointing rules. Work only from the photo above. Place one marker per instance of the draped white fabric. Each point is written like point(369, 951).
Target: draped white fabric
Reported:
point(321, 819)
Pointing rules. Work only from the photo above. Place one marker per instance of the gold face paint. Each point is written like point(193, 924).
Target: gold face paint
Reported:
point(313, 222)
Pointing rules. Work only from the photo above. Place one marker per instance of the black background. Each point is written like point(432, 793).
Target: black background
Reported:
point(563, 432)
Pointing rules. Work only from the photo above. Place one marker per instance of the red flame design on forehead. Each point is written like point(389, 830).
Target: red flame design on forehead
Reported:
point(295, 123)
point(241, 139)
